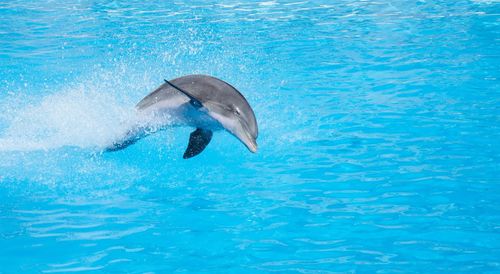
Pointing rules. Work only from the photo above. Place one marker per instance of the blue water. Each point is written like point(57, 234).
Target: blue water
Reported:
point(379, 144)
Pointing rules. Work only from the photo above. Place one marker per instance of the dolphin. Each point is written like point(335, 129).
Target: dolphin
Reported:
point(203, 102)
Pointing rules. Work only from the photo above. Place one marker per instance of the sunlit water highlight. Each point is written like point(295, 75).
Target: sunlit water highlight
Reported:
point(379, 129)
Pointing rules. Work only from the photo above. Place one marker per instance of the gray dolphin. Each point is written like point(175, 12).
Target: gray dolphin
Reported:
point(200, 101)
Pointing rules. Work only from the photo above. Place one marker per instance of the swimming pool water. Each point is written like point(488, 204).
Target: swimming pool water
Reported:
point(378, 147)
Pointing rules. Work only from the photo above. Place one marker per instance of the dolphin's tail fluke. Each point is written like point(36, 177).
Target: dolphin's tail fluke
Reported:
point(129, 138)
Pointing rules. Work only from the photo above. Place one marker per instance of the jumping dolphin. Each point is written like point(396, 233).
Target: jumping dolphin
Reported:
point(200, 101)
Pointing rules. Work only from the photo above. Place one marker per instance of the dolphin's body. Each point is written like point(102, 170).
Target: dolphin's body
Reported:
point(200, 101)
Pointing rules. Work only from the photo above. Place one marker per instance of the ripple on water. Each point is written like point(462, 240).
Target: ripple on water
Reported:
point(378, 145)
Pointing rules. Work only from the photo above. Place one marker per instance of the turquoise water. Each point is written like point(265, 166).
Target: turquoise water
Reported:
point(378, 147)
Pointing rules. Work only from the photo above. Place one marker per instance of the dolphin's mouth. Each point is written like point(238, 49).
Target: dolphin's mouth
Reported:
point(249, 142)
point(244, 136)
point(252, 145)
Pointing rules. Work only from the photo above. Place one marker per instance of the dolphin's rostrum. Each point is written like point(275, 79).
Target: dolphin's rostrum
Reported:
point(200, 101)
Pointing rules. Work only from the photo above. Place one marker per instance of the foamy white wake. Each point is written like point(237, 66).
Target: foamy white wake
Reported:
point(78, 116)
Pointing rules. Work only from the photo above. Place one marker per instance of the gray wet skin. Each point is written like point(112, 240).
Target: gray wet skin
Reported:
point(200, 101)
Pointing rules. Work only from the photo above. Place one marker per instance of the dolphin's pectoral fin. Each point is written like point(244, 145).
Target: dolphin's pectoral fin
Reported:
point(198, 141)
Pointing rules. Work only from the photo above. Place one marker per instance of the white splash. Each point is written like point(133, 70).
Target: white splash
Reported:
point(78, 117)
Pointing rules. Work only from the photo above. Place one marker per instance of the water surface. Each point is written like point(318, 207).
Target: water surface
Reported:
point(378, 147)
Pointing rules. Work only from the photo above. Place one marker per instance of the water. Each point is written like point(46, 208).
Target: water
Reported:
point(378, 146)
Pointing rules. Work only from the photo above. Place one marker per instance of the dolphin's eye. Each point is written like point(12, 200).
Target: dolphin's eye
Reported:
point(237, 111)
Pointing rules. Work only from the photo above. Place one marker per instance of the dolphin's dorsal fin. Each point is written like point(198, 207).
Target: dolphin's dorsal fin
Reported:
point(194, 102)
point(198, 141)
